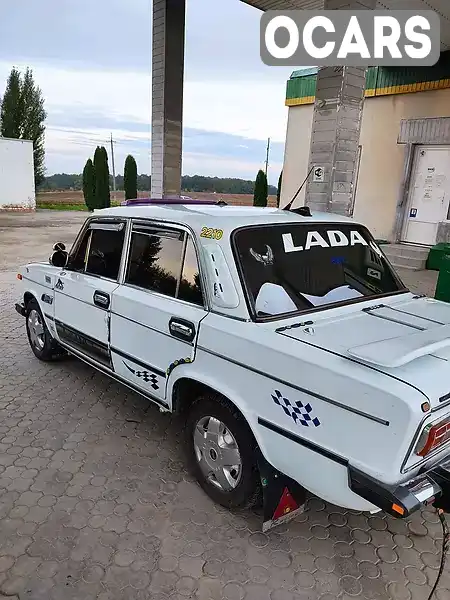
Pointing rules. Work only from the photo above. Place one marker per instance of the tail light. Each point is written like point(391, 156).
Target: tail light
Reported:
point(433, 436)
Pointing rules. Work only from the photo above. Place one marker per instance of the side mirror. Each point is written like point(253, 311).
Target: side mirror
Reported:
point(59, 246)
point(59, 259)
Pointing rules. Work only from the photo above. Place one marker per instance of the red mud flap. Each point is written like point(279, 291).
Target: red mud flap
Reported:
point(283, 498)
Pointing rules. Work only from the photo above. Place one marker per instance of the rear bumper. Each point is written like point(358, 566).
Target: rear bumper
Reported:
point(432, 487)
point(20, 308)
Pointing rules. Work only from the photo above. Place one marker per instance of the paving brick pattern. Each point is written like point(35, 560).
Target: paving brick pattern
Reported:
point(96, 503)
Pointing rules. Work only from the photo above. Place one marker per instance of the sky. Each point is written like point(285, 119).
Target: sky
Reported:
point(92, 60)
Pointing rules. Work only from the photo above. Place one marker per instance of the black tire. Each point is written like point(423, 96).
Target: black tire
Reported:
point(247, 492)
point(50, 349)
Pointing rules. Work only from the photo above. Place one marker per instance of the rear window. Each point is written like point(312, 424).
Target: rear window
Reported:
point(297, 267)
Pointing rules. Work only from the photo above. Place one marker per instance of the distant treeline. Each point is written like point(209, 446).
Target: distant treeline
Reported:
point(189, 183)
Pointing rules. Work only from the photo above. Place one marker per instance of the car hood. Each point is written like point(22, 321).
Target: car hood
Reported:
point(406, 337)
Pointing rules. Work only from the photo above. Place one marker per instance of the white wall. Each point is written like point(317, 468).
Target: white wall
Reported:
point(296, 153)
point(16, 174)
point(382, 159)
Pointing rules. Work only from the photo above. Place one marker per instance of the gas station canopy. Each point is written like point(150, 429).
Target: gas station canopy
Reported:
point(442, 7)
point(334, 143)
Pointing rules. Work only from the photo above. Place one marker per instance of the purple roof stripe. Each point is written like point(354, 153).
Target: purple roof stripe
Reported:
point(167, 200)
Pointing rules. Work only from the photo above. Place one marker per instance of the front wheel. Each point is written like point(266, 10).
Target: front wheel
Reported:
point(222, 453)
point(43, 345)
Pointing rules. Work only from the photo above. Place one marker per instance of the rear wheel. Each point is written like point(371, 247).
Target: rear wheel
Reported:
point(43, 345)
point(222, 453)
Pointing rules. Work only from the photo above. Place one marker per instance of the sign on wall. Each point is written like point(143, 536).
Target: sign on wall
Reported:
point(318, 174)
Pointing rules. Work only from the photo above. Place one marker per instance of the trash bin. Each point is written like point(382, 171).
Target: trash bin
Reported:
point(443, 283)
point(436, 254)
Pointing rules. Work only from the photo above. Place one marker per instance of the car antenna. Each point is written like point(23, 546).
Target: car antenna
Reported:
point(304, 211)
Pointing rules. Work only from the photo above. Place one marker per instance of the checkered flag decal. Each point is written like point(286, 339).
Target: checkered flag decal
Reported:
point(146, 376)
point(299, 412)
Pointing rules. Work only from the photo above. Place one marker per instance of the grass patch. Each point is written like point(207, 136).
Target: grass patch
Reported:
point(62, 206)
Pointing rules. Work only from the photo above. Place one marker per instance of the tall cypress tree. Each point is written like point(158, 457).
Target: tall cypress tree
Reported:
point(130, 178)
point(89, 184)
point(102, 194)
point(22, 116)
point(260, 192)
point(11, 113)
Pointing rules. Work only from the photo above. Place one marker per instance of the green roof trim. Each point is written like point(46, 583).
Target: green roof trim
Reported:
point(304, 71)
point(301, 87)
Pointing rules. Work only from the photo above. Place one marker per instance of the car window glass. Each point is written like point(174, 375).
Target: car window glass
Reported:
point(105, 252)
point(296, 267)
point(77, 260)
point(164, 261)
point(190, 288)
point(155, 261)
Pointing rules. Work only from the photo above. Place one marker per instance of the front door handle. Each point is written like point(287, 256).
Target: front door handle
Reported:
point(101, 299)
point(181, 329)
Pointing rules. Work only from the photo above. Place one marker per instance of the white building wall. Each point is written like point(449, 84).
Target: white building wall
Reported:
point(17, 190)
point(296, 153)
point(382, 159)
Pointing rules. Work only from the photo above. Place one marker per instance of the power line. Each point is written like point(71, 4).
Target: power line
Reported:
point(267, 155)
point(113, 167)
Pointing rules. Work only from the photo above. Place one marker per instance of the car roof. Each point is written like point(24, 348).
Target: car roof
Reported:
point(219, 216)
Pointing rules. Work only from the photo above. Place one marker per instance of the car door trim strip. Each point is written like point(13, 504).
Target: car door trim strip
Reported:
point(138, 362)
point(77, 339)
point(303, 442)
point(298, 388)
point(104, 369)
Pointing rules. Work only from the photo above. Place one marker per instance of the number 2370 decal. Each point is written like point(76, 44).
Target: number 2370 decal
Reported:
point(214, 234)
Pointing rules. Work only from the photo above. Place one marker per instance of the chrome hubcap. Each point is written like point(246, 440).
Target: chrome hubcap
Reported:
point(217, 453)
point(36, 329)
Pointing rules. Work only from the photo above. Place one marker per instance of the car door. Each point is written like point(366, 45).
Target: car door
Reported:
point(84, 288)
point(155, 314)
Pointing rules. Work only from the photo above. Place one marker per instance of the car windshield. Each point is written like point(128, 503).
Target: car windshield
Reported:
point(301, 267)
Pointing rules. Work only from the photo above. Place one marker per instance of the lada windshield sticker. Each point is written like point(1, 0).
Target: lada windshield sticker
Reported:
point(146, 376)
point(212, 234)
point(335, 238)
point(265, 259)
point(301, 414)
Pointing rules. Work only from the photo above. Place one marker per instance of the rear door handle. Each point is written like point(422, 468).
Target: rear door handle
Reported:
point(101, 299)
point(181, 329)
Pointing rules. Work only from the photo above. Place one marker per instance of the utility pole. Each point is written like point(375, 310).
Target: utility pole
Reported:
point(113, 168)
point(267, 154)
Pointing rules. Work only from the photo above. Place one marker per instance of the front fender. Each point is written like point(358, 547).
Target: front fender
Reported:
point(37, 291)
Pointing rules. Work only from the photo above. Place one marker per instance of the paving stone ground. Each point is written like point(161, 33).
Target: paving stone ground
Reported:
point(96, 503)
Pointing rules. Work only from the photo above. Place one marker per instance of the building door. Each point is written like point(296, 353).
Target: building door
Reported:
point(429, 194)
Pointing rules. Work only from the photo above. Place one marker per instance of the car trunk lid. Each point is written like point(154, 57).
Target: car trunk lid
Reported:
point(407, 338)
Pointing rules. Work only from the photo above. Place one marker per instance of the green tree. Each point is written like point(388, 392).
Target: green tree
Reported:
point(102, 195)
point(23, 115)
point(10, 112)
point(260, 191)
point(89, 184)
point(130, 178)
point(280, 179)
